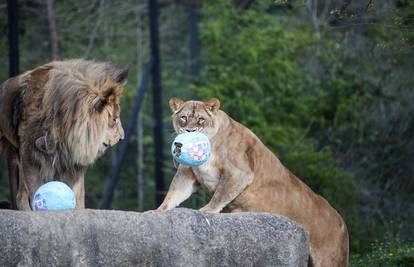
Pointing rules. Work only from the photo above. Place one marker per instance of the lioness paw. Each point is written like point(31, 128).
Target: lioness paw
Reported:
point(209, 210)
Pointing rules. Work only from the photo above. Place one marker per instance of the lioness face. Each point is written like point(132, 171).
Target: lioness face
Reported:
point(192, 116)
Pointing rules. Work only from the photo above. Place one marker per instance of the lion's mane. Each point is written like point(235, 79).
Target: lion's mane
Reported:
point(72, 102)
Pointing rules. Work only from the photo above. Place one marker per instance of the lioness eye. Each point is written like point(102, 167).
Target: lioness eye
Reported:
point(183, 118)
point(201, 121)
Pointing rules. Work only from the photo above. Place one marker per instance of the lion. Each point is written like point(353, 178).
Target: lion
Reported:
point(55, 121)
point(244, 175)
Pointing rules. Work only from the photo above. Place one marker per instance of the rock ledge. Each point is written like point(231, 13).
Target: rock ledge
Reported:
point(181, 237)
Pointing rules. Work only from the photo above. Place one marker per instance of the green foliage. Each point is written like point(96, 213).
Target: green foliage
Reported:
point(320, 111)
point(252, 64)
point(390, 254)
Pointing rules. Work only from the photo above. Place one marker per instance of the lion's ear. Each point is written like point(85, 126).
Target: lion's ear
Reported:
point(102, 99)
point(121, 76)
point(175, 104)
point(118, 74)
point(212, 105)
point(100, 104)
point(45, 144)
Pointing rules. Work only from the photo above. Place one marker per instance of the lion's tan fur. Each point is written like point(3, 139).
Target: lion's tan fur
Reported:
point(244, 175)
point(67, 112)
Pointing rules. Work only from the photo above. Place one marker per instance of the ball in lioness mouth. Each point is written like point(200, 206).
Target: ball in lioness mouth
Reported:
point(191, 149)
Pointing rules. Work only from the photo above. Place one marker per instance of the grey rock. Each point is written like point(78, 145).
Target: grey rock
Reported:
point(180, 237)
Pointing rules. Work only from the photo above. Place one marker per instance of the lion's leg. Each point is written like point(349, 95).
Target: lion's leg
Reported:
point(13, 167)
point(22, 196)
point(182, 186)
point(228, 188)
point(79, 189)
point(30, 179)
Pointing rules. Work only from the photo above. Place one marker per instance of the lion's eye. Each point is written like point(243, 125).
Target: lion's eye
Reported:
point(183, 118)
point(201, 121)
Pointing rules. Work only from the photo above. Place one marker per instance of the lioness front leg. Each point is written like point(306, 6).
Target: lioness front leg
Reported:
point(182, 186)
point(228, 188)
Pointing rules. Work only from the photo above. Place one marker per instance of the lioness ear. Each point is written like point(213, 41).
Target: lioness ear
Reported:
point(212, 105)
point(175, 104)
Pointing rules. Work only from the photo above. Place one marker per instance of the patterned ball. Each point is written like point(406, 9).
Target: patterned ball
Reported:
point(191, 149)
point(54, 196)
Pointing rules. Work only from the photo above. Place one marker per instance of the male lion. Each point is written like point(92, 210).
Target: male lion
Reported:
point(243, 175)
point(55, 120)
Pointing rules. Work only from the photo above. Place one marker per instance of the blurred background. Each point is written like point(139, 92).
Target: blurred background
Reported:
point(327, 85)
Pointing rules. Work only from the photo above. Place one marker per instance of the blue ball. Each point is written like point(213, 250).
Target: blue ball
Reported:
point(191, 149)
point(54, 196)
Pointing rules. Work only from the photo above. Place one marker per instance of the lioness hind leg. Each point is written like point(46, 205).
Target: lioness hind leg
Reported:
point(332, 254)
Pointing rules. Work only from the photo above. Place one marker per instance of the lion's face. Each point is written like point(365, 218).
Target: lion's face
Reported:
point(107, 111)
point(192, 116)
point(80, 108)
point(113, 132)
point(99, 126)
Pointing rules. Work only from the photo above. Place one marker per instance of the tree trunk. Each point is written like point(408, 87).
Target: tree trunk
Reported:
point(312, 6)
point(140, 130)
point(157, 102)
point(95, 28)
point(12, 20)
point(53, 37)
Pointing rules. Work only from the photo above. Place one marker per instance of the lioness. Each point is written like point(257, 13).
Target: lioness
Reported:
point(55, 120)
point(243, 175)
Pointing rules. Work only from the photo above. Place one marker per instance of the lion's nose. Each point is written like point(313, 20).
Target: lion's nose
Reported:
point(190, 130)
point(122, 135)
